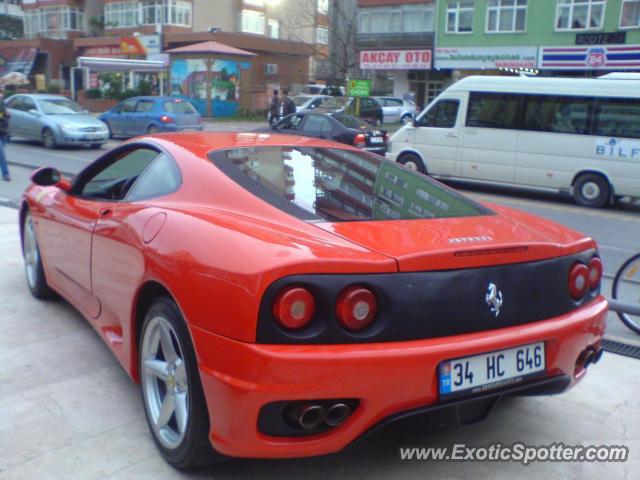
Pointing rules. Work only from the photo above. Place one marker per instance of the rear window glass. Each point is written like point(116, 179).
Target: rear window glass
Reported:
point(335, 102)
point(178, 106)
point(338, 185)
point(350, 121)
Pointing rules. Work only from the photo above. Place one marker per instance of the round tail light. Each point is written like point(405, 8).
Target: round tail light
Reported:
point(578, 281)
point(356, 308)
point(293, 308)
point(595, 273)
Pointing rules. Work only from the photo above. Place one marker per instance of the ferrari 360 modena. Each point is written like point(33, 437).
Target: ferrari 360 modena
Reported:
point(281, 296)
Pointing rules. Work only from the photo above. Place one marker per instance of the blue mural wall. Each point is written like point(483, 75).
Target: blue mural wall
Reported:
point(189, 81)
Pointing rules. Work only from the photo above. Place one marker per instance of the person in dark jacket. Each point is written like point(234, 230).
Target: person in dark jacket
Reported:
point(274, 108)
point(4, 131)
point(288, 105)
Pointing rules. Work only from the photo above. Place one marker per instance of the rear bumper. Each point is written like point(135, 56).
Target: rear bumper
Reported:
point(181, 128)
point(388, 379)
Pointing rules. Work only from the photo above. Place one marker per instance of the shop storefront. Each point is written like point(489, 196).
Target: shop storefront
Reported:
point(464, 61)
point(411, 71)
point(589, 59)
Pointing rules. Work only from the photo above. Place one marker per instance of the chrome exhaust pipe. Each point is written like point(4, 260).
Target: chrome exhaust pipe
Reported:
point(588, 358)
point(309, 416)
point(337, 414)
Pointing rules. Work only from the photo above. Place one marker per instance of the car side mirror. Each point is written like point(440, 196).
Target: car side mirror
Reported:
point(33, 111)
point(48, 177)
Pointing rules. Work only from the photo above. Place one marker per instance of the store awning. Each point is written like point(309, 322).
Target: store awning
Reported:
point(17, 59)
point(121, 65)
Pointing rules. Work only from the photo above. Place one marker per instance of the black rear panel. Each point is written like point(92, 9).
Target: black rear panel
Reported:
point(432, 304)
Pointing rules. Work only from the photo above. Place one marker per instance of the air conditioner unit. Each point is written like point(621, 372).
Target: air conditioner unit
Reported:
point(271, 68)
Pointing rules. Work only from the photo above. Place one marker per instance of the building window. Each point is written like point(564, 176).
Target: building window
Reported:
point(397, 19)
point(323, 6)
point(53, 22)
point(322, 35)
point(506, 16)
point(580, 14)
point(121, 14)
point(274, 28)
point(630, 16)
point(460, 17)
point(133, 14)
point(251, 22)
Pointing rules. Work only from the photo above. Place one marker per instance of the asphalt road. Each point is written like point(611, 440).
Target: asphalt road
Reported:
point(616, 229)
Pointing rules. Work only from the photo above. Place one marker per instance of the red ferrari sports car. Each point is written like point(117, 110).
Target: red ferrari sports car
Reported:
point(281, 296)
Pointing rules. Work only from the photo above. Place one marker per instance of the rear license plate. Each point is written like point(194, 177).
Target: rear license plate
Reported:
point(488, 371)
point(378, 140)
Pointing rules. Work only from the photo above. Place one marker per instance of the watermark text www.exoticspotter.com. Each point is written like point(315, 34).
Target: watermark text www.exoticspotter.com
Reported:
point(518, 452)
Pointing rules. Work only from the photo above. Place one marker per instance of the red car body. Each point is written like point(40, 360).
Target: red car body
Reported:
point(216, 249)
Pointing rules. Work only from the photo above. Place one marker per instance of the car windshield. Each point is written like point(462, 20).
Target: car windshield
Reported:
point(350, 121)
point(179, 106)
point(339, 185)
point(59, 106)
point(335, 102)
point(299, 100)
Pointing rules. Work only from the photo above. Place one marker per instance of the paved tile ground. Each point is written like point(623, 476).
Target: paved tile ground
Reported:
point(68, 411)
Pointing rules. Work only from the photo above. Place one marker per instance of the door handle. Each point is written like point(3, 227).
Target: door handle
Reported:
point(105, 212)
point(451, 135)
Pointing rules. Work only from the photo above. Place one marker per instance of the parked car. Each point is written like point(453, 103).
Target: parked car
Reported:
point(397, 109)
point(54, 120)
point(319, 89)
point(140, 115)
point(308, 102)
point(334, 126)
point(363, 107)
point(281, 296)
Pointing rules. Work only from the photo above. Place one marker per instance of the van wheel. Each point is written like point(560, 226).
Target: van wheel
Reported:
point(412, 162)
point(591, 190)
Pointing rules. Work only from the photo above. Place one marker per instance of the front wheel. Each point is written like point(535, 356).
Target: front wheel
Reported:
point(171, 390)
point(626, 288)
point(48, 138)
point(34, 270)
point(412, 162)
point(591, 190)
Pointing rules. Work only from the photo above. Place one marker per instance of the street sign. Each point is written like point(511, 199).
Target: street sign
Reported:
point(359, 88)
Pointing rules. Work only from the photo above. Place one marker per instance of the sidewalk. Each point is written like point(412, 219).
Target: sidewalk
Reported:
point(68, 411)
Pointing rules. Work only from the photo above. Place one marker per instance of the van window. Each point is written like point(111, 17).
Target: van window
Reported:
point(442, 114)
point(559, 114)
point(617, 118)
point(493, 110)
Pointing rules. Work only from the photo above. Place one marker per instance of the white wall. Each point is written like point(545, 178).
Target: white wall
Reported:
point(400, 82)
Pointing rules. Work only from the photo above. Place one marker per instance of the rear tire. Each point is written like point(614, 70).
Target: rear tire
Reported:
point(153, 129)
point(412, 162)
point(48, 139)
point(36, 280)
point(406, 118)
point(591, 190)
point(172, 393)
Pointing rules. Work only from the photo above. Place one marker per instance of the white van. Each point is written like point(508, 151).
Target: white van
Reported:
point(579, 136)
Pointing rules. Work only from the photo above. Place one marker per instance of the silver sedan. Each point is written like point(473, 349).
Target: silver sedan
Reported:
point(396, 109)
point(54, 120)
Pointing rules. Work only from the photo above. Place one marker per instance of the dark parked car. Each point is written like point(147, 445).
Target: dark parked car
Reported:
point(363, 107)
point(334, 126)
point(140, 115)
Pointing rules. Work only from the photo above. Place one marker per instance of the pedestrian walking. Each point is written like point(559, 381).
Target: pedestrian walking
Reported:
point(4, 131)
point(288, 105)
point(275, 107)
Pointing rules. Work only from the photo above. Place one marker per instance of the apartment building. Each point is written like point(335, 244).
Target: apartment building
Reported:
point(395, 41)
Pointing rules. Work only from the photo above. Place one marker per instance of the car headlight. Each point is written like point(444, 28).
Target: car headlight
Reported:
point(67, 128)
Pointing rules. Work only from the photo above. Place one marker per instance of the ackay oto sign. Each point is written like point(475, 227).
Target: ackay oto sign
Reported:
point(395, 59)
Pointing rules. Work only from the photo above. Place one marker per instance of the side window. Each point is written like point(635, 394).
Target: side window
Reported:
point(28, 104)
point(442, 114)
point(367, 103)
point(317, 102)
point(552, 113)
point(113, 177)
point(128, 106)
point(145, 106)
point(394, 102)
point(617, 118)
point(15, 103)
point(317, 123)
point(290, 123)
point(493, 110)
point(160, 178)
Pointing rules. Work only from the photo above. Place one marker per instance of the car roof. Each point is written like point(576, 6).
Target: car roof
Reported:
point(201, 143)
point(43, 96)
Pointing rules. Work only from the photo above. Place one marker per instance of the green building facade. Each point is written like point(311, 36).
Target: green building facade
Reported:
point(548, 37)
